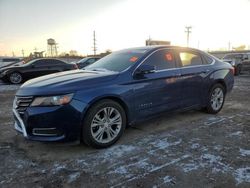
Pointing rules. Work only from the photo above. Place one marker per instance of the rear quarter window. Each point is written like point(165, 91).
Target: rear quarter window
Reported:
point(190, 59)
point(207, 59)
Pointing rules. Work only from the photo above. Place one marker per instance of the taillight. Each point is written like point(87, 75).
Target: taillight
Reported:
point(75, 66)
point(232, 69)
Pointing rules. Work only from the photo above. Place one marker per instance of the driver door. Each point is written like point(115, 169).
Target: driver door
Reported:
point(160, 90)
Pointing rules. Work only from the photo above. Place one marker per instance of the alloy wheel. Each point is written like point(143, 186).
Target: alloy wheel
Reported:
point(217, 98)
point(106, 125)
point(15, 78)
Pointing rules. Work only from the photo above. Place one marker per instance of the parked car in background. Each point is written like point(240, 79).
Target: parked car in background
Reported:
point(246, 65)
point(236, 60)
point(122, 88)
point(8, 61)
point(86, 61)
point(34, 68)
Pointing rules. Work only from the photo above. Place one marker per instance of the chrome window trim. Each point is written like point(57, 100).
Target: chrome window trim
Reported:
point(192, 66)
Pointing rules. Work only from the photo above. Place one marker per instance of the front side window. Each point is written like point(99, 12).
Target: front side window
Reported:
point(163, 59)
point(54, 62)
point(190, 59)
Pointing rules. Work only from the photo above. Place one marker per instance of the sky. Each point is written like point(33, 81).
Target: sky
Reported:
point(27, 24)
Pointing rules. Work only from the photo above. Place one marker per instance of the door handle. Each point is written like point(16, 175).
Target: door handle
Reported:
point(206, 71)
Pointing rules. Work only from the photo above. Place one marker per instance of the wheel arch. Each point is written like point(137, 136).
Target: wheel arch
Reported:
point(14, 71)
point(115, 98)
point(98, 99)
point(219, 81)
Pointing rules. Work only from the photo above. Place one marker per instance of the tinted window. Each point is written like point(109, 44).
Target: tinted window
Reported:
point(39, 63)
point(163, 59)
point(190, 59)
point(245, 57)
point(47, 62)
point(208, 60)
point(233, 56)
point(55, 62)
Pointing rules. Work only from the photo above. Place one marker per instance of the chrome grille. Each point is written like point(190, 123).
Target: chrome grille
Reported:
point(22, 103)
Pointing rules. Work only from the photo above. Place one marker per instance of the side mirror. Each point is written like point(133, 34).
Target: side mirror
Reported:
point(145, 69)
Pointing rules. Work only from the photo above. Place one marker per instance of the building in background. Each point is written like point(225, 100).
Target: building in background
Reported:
point(150, 42)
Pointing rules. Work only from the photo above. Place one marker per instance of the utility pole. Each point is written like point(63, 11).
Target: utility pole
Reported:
point(229, 46)
point(188, 31)
point(13, 54)
point(94, 43)
point(148, 42)
point(23, 52)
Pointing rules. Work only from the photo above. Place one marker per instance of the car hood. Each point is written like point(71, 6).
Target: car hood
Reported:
point(8, 67)
point(64, 82)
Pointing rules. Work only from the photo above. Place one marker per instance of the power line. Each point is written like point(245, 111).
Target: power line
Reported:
point(188, 31)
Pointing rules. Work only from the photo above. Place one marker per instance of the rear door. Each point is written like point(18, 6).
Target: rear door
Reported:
point(36, 69)
point(194, 77)
point(55, 65)
point(158, 91)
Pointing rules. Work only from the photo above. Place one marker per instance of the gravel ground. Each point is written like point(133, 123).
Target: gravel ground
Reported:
point(188, 149)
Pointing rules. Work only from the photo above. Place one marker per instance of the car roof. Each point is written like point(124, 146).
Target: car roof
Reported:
point(48, 59)
point(155, 47)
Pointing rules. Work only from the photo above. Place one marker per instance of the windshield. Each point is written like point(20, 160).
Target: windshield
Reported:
point(117, 61)
point(233, 56)
point(82, 60)
point(29, 62)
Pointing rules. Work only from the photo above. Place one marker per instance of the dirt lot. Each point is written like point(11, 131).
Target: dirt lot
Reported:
point(189, 149)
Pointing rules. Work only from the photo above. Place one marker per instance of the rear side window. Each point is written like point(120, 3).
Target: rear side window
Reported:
point(55, 62)
point(190, 59)
point(163, 59)
point(39, 63)
point(208, 60)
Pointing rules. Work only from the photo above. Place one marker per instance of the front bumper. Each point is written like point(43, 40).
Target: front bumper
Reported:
point(56, 123)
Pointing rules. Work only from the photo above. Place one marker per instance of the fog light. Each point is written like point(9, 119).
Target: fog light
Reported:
point(45, 132)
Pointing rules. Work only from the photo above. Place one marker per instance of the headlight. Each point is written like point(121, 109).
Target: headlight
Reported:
point(52, 100)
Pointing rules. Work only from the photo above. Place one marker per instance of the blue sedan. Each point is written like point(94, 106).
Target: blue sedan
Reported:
point(127, 86)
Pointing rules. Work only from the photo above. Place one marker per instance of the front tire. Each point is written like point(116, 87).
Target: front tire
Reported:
point(15, 78)
point(103, 124)
point(216, 99)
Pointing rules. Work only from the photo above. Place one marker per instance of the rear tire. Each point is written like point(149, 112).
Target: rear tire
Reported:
point(15, 78)
point(103, 124)
point(216, 99)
